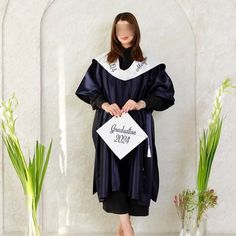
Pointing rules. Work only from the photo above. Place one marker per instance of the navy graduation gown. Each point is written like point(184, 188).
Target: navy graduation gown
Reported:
point(114, 85)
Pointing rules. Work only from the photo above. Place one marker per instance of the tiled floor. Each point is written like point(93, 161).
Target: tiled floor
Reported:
point(110, 234)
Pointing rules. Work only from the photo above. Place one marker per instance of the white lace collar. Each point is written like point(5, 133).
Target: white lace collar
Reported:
point(136, 68)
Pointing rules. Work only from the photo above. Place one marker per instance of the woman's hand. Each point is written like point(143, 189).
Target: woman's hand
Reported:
point(132, 105)
point(113, 109)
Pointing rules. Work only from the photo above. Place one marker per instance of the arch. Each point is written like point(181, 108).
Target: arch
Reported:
point(70, 36)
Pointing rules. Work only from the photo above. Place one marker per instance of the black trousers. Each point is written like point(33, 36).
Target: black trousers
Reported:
point(118, 202)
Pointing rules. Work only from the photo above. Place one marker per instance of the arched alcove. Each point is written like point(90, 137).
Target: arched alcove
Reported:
point(72, 33)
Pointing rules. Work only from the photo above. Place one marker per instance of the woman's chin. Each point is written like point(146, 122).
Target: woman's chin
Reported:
point(125, 42)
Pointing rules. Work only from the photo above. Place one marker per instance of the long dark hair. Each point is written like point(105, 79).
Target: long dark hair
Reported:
point(116, 46)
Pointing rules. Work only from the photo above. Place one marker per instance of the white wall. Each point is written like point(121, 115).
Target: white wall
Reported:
point(46, 49)
point(213, 25)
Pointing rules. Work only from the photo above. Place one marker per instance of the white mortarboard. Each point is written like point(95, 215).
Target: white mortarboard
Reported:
point(122, 134)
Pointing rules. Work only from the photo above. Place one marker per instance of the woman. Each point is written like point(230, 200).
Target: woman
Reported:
point(117, 81)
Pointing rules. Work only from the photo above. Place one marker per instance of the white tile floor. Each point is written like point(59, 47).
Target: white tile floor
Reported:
point(110, 234)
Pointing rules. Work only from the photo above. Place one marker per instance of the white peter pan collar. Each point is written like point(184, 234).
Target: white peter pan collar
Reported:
point(136, 68)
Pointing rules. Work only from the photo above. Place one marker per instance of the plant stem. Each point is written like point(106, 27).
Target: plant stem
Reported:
point(33, 227)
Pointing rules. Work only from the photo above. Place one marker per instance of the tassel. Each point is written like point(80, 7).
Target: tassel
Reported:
point(149, 150)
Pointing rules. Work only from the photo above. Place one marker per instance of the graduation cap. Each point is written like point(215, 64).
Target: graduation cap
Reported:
point(122, 134)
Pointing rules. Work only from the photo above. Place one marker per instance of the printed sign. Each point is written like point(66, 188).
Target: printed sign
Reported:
point(122, 134)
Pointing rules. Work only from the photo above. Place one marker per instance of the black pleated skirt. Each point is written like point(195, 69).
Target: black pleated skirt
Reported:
point(118, 202)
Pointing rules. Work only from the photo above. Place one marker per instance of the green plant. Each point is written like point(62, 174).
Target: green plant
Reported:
point(206, 200)
point(208, 144)
point(31, 174)
point(203, 198)
point(185, 202)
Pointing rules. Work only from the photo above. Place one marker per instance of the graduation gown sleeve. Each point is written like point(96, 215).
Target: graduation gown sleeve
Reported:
point(161, 90)
point(97, 102)
point(89, 90)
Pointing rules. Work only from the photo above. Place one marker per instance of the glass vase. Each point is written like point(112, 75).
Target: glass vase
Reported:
point(190, 223)
point(32, 227)
point(191, 227)
point(201, 230)
point(182, 229)
point(201, 216)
